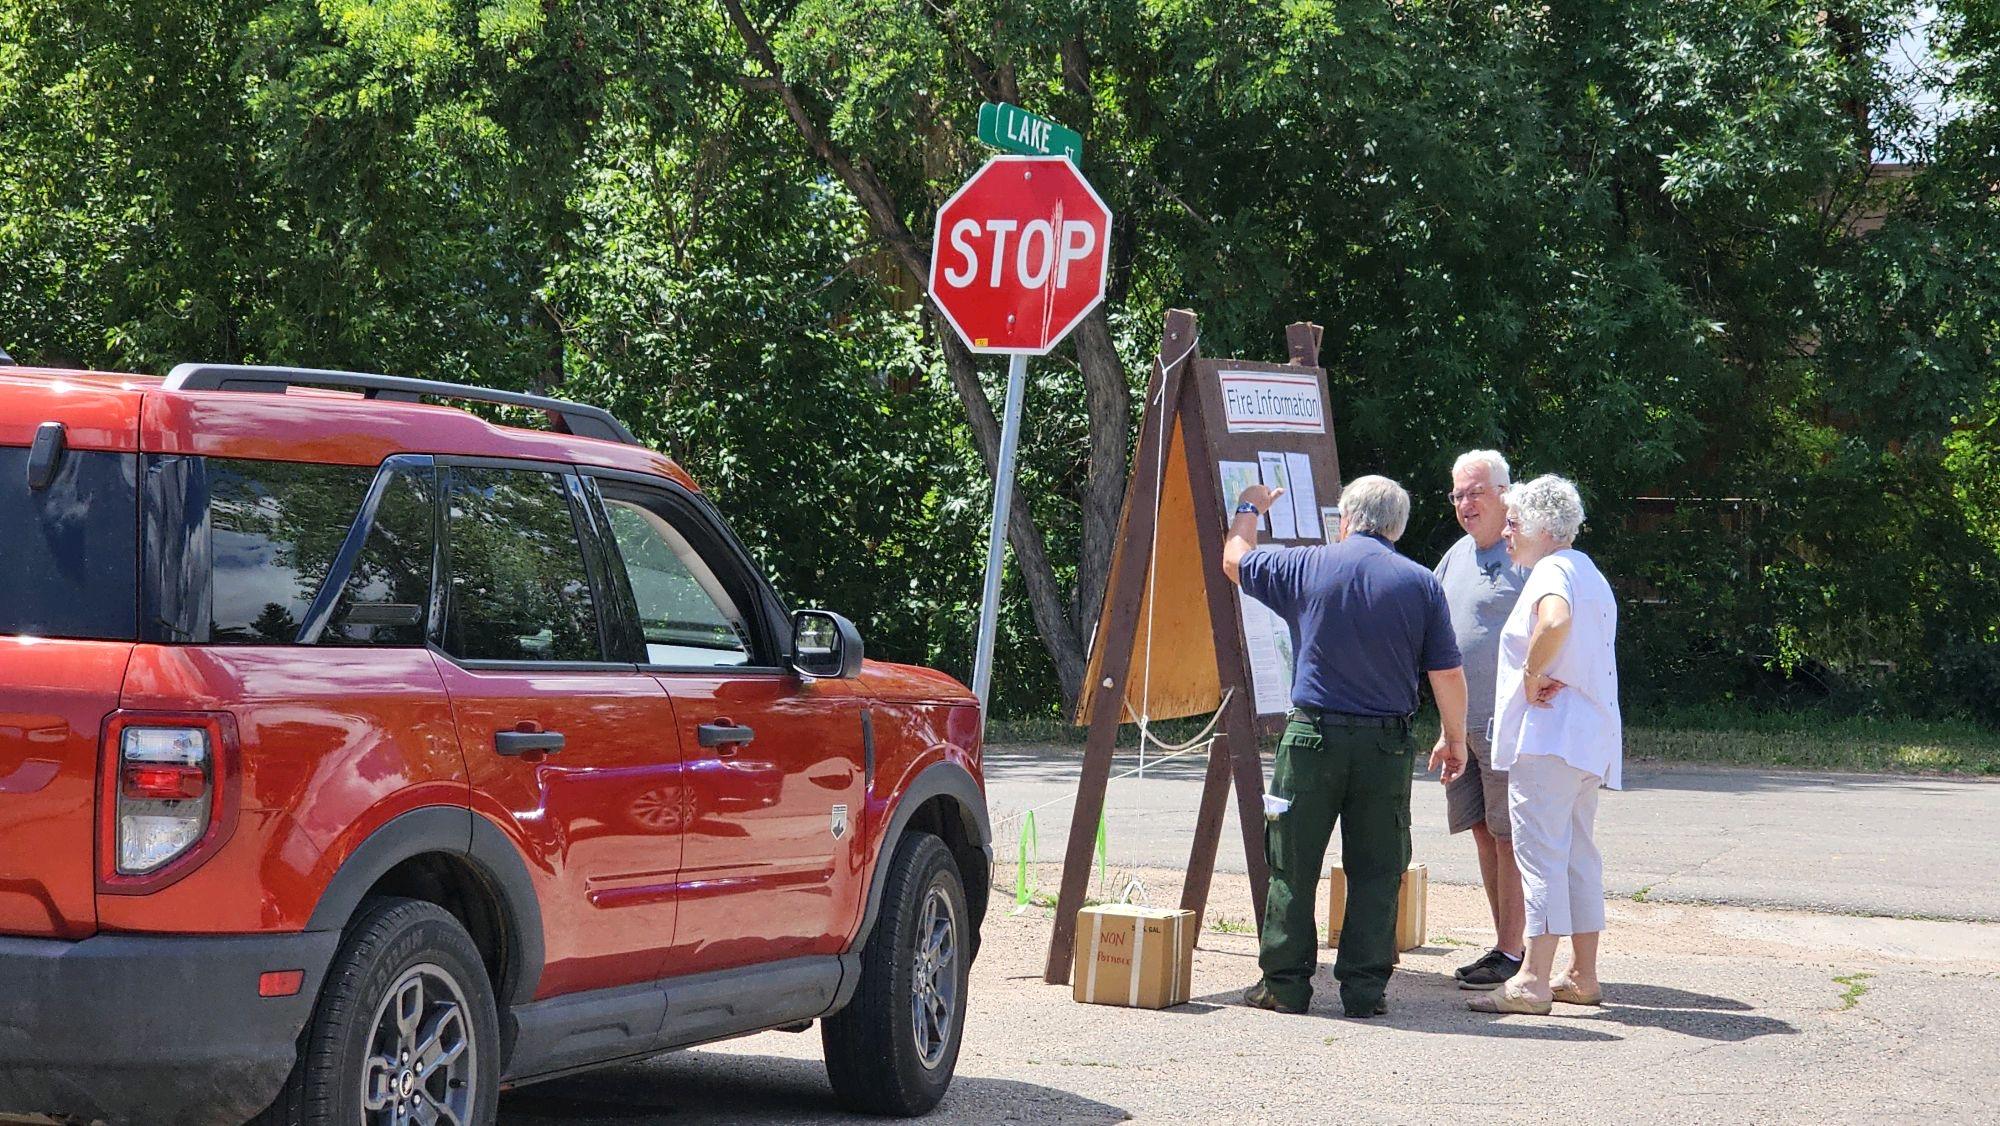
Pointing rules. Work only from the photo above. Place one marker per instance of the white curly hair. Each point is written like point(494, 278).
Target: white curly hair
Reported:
point(1547, 504)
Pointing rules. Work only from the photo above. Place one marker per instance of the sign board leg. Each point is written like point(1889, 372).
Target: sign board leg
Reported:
point(1130, 567)
point(1248, 766)
point(996, 541)
point(1097, 753)
point(1208, 816)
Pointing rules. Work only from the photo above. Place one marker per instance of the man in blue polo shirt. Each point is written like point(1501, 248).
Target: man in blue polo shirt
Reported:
point(1365, 622)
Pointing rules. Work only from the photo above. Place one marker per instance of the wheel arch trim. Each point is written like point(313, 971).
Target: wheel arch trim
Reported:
point(940, 779)
point(460, 832)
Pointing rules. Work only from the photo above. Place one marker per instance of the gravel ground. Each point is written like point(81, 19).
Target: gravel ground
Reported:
point(1715, 1014)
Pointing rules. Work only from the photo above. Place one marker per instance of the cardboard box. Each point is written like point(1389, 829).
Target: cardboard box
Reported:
point(1410, 903)
point(1142, 957)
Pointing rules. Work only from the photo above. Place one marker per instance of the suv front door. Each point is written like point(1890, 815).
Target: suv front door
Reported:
point(573, 756)
point(774, 761)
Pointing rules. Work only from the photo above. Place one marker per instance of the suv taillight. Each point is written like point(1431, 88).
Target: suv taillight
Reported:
point(165, 787)
point(166, 795)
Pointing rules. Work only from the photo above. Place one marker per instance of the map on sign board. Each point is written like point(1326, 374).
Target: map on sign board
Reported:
point(1236, 477)
point(1276, 401)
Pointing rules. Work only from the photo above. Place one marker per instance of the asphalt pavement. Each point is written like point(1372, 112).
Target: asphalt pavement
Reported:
point(1859, 844)
point(1712, 1014)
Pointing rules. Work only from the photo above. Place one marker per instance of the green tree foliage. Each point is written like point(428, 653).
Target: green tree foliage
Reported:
point(1643, 244)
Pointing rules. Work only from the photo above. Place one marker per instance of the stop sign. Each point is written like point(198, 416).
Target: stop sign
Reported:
point(1019, 254)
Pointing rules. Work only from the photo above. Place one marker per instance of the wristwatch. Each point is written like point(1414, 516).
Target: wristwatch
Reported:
point(1243, 506)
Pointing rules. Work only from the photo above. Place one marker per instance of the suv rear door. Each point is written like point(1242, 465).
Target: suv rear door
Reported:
point(599, 818)
point(68, 618)
point(774, 761)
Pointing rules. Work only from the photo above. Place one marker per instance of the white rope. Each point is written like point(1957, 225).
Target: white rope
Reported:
point(1156, 408)
point(1203, 746)
point(1201, 736)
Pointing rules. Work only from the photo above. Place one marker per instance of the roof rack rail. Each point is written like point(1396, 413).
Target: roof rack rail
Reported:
point(571, 418)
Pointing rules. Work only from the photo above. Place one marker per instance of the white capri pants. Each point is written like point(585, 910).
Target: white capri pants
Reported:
point(1553, 808)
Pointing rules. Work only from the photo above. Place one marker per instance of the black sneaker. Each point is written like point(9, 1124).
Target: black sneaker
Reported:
point(1379, 1008)
point(1489, 972)
point(1259, 997)
point(1467, 968)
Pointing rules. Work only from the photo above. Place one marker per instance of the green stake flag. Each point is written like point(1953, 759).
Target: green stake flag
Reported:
point(1022, 888)
point(1028, 853)
point(1101, 851)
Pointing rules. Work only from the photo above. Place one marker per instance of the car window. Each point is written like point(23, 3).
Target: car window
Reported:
point(519, 591)
point(69, 551)
point(274, 529)
point(687, 616)
point(387, 596)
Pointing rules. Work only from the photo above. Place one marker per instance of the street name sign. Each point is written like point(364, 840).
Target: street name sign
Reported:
point(1012, 128)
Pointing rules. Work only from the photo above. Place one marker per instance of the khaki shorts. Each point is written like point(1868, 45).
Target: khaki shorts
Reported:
point(1479, 794)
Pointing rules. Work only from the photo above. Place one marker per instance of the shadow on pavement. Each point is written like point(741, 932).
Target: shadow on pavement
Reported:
point(1417, 1004)
point(715, 1087)
point(1630, 1006)
point(1662, 997)
point(1511, 1028)
point(1706, 1024)
point(1427, 1002)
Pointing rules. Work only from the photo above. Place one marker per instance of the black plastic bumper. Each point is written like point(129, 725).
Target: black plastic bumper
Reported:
point(160, 1030)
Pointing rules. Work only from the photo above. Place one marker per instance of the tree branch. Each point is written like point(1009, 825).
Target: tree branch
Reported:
point(855, 173)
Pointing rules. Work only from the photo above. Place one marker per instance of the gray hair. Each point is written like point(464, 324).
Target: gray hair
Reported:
point(1375, 504)
point(1547, 504)
point(1496, 466)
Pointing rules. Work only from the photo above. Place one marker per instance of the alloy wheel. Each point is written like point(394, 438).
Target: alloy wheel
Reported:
point(422, 1063)
point(934, 982)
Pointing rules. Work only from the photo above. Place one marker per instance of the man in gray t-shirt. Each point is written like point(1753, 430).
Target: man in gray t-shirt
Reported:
point(1481, 585)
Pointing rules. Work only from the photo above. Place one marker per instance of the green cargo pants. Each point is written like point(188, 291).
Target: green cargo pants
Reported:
point(1359, 776)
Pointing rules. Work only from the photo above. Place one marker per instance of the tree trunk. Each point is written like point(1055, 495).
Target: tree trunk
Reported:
point(1060, 636)
point(1108, 401)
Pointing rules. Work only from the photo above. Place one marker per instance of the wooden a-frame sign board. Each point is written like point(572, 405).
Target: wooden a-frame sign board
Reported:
point(1172, 632)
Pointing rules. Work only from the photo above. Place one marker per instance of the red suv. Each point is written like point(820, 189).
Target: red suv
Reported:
point(360, 758)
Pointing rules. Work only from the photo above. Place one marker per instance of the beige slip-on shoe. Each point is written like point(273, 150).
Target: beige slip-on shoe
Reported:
point(1505, 1000)
point(1565, 990)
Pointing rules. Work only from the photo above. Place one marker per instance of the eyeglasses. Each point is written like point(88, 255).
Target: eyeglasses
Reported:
point(1513, 525)
point(1462, 495)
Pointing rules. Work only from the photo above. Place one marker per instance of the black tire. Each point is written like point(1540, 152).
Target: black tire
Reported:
point(875, 1052)
point(396, 951)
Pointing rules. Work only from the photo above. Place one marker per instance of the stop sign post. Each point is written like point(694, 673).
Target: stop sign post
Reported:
point(1019, 256)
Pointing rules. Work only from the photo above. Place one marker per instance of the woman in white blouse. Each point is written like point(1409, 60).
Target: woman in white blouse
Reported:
point(1557, 733)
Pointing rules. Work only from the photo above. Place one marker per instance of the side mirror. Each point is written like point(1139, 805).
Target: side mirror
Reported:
point(825, 645)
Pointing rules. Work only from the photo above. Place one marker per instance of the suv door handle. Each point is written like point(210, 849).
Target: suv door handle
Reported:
point(723, 734)
point(511, 743)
